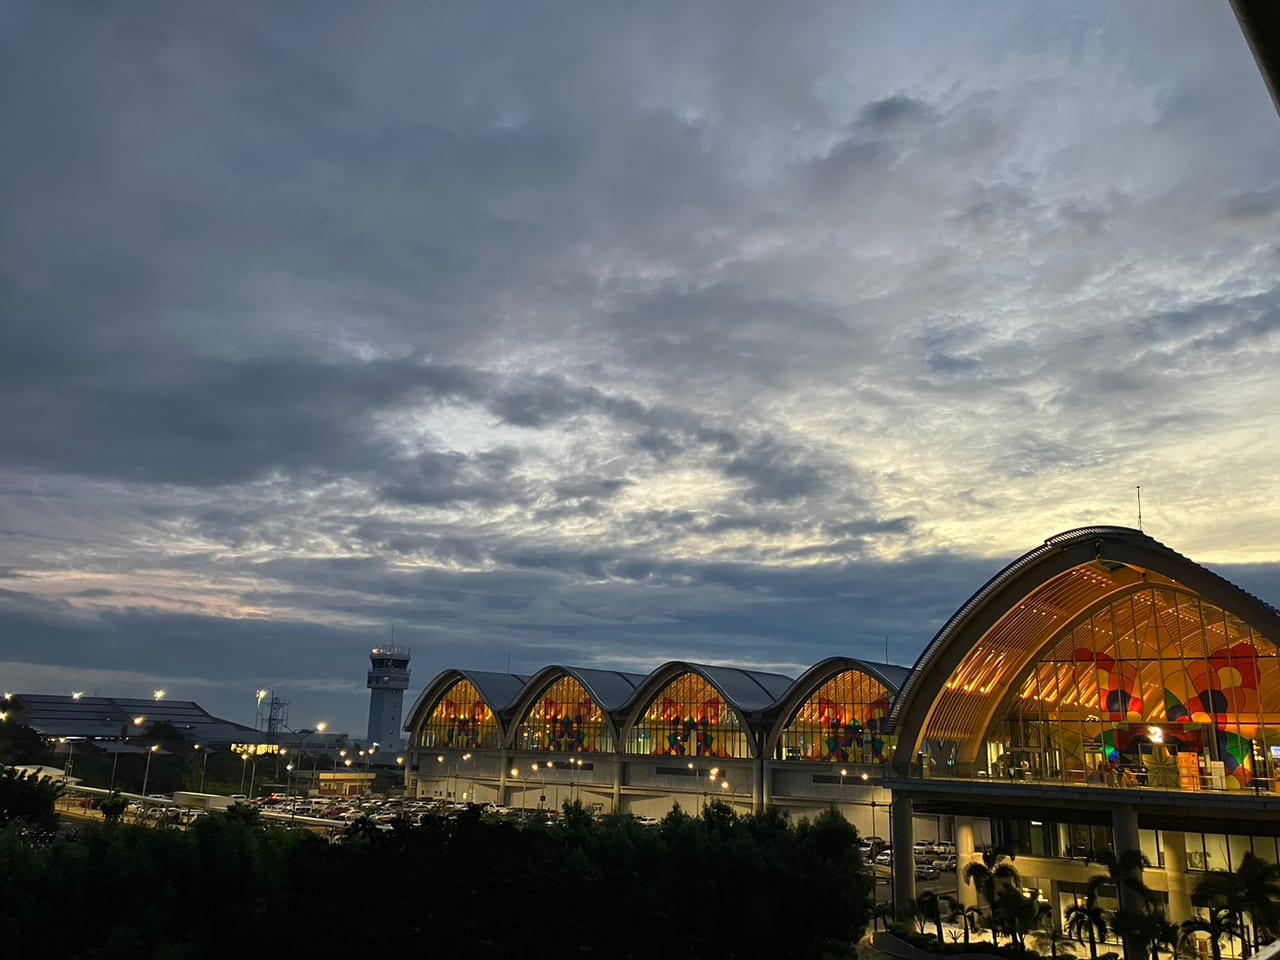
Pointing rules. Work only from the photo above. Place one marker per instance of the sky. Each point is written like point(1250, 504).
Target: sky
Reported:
point(607, 334)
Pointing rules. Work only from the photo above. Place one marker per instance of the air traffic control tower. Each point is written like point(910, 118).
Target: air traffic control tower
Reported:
point(388, 680)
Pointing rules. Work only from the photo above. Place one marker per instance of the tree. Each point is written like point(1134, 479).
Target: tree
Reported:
point(990, 874)
point(1052, 935)
point(1017, 915)
point(20, 744)
point(1146, 930)
point(1219, 924)
point(929, 907)
point(1124, 872)
point(28, 798)
point(1087, 920)
point(113, 807)
point(1254, 889)
point(972, 922)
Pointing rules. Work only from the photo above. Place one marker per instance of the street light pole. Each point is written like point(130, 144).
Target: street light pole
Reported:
point(147, 774)
point(204, 763)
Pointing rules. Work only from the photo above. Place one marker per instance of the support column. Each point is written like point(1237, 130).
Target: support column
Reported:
point(1175, 871)
point(760, 797)
point(1124, 837)
point(904, 866)
point(965, 851)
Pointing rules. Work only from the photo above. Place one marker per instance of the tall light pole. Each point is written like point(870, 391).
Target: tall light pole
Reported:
point(243, 767)
point(253, 775)
point(71, 749)
point(843, 774)
point(257, 710)
point(147, 774)
point(124, 728)
point(204, 762)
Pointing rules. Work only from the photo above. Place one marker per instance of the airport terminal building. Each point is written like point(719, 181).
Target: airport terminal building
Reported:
point(1101, 692)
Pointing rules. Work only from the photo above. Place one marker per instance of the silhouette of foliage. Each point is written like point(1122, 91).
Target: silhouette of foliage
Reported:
point(28, 798)
point(715, 886)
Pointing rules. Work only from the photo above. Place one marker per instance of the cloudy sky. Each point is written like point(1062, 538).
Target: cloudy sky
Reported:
point(609, 333)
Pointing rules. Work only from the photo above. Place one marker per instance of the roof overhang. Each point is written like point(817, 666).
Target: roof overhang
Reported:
point(999, 632)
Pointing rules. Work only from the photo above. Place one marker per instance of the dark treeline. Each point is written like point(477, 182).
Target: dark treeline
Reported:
point(715, 886)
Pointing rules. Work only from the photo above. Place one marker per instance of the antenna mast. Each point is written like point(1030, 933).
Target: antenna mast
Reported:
point(1139, 508)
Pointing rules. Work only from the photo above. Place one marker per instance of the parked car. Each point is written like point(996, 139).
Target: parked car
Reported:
point(884, 857)
point(945, 863)
point(926, 871)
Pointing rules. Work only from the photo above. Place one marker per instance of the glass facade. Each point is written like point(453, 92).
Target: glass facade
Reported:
point(843, 722)
point(1158, 689)
point(689, 718)
point(460, 720)
point(564, 719)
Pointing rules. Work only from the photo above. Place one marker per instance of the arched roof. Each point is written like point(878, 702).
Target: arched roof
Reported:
point(1017, 613)
point(810, 682)
point(499, 690)
point(749, 692)
point(610, 689)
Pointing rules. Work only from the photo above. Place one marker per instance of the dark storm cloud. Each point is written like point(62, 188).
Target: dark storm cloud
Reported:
point(728, 331)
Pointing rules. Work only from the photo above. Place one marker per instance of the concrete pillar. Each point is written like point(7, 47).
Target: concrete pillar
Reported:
point(1124, 837)
point(946, 828)
point(966, 850)
point(902, 837)
point(1055, 902)
point(1175, 870)
point(617, 784)
point(760, 797)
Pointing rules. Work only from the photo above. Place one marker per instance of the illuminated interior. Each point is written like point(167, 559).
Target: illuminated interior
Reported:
point(689, 718)
point(843, 722)
point(564, 719)
point(460, 720)
point(1157, 688)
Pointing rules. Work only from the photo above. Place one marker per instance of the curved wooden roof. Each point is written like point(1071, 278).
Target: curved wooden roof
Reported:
point(963, 675)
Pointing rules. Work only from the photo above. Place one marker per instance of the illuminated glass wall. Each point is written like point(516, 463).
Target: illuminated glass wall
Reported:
point(460, 719)
point(689, 718)
point(1158, 689)
point(564, 719)
point(843, 722)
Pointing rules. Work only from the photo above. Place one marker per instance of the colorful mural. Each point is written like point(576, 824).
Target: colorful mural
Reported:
point(843, 722)
point(689, 718)
point(1159, 683)
point(564, 719)
point(460, 720)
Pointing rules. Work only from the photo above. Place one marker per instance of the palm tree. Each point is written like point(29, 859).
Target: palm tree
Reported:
point(989, 875)
point(1124, 872)
point(1220, 923)
point(972, 922)
point(930, 908)
point(1087, 920)
point(1145, 930)
point(1253, 889)
point(1260, 887)
point(1017, 915)
point(1058, 941)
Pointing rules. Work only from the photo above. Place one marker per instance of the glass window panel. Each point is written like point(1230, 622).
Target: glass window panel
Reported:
point(461, 720)
point(564, 719)
point(1215, 851)
point(1265, 848)
point(1237, 847)
point(841, 723)
point(689, 718)
point(1159, 683)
